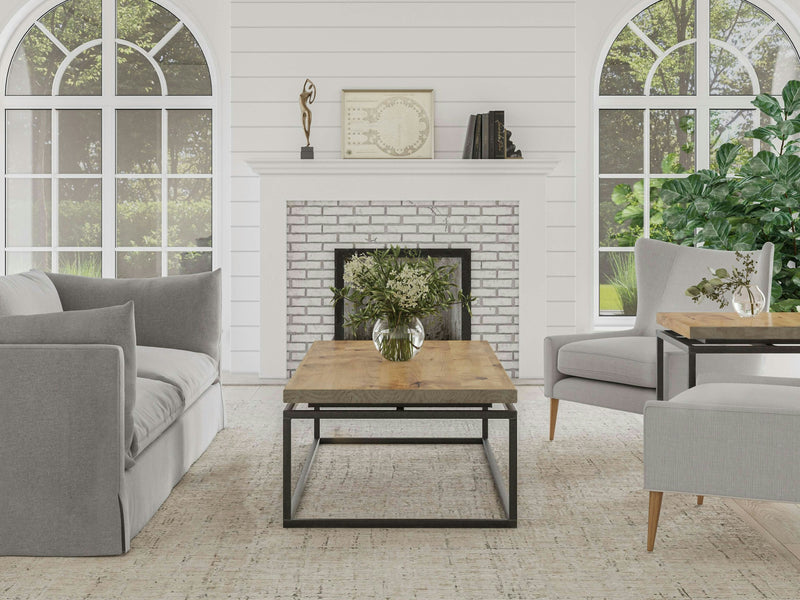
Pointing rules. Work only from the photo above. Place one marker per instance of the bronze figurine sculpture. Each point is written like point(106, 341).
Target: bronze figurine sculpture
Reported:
point(307, 96)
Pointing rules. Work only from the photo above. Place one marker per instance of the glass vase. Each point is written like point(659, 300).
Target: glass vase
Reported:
point(398, 343)
point(748, 300)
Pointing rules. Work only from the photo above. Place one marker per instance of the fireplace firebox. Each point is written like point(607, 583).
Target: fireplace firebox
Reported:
point(454, 323)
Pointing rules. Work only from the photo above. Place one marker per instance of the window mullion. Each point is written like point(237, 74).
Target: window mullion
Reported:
point(646, 171)
point(54, 169)
point(703, 114)
point(164, 190)
point(109, 168)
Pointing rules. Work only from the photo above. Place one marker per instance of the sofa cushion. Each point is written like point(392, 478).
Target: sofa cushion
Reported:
point(30, 293)
point(191, 372)
point(158, 405)
point(113, 325)
point(629, 360)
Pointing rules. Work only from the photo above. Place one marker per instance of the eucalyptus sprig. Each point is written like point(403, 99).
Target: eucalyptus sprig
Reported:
point(396, 285)
point(722, 283)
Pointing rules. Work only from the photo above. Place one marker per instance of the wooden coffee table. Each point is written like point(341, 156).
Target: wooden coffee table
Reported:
point(724, 333)
point(349, 380)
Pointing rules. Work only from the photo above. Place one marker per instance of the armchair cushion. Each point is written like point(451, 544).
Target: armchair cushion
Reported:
point(112, 326)
point(192, 373)
point(629, 360)
point(158, 405)
point(28, 293)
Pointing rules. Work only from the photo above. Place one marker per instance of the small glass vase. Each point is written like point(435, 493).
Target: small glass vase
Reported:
point(748, 300)
point(398, 343)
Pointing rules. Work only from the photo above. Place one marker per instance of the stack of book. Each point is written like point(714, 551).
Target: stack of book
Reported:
point(487, 137)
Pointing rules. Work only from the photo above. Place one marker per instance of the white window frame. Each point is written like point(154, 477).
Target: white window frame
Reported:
point(702, 103)
point(108, 103)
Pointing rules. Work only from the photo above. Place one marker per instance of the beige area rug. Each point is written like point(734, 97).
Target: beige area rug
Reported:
point(581, 533)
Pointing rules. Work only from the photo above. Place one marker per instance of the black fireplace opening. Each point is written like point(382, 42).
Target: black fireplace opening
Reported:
point(453, 323)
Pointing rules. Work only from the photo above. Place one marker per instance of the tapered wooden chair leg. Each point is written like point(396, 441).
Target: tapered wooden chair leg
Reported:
point(700, 500)
point(553, 417)
point(652, 520)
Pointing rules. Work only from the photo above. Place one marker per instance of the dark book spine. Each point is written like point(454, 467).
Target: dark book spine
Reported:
point(476, 148)
point(498, 134)
point(469, 140)
point(485, 136)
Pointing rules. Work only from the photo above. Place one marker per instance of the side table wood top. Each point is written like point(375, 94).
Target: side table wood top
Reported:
point(444, 372)
point(730, 326)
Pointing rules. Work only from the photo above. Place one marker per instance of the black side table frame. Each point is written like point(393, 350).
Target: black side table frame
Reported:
point(482, 412)
point(693, 347)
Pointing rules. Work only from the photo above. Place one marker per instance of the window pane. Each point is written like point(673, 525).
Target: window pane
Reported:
point(621, 211)
point(135, 75)
point(33, 66)
point(189, 212)
point(138, 141)
point(79, 141)
point(28, 210)
point(672, 141)
point(189, 141)
point(143, 22)
point(625, 68)
point(86, 264)
point(79, 212)
point(727, 75)
point(184, 66)
point(657, 229)
point(667, 22)
point(775, 61)
point(19, 262)
point(84, 75)
point(28, 141)
point(138, 212)
point(138, 264)
point(617, 284)
point(186, 263)
point(621, 141)
point(729, 126)
point(675, 74)
point(75, 22)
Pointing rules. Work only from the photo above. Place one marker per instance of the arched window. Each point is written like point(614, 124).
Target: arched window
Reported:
point(107, 141)
point(676, 84)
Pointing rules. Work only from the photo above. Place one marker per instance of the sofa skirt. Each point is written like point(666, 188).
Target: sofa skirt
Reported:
point(163, 463)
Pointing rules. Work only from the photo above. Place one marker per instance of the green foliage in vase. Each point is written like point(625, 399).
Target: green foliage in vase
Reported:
point(396, 285)
point(722, 283)
point(742, 211)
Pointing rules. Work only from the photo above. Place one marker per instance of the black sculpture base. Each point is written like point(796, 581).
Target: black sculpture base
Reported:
point(307, 152)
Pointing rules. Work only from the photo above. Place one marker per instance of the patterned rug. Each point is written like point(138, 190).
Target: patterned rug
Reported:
point(581, 532)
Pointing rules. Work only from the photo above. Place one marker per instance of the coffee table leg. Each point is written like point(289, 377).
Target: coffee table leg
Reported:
point(512, 467)
point(692, 367)
point(316, 425)
point(659, 368)
point(485, 427)
point(287, 468)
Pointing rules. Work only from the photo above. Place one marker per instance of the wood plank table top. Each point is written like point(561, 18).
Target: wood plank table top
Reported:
point(443, 372)
point(730, 326)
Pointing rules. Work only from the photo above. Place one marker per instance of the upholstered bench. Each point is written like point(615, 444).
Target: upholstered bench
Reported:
point(723, 439)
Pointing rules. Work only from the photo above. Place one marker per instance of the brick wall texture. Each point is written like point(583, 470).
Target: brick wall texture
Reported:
point(490, 229)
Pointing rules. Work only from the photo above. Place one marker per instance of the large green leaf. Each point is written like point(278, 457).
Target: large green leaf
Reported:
point(769, 105)
point(787, 129)
point(791, 97)
point(765, 134)
point(763, 164)
point(716, 230)
point(620, 194)
point(726, 155)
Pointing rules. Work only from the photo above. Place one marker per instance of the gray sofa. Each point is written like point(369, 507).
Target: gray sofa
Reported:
point(109, 391)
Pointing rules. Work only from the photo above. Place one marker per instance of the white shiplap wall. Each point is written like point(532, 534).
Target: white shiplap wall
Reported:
point(517, 55)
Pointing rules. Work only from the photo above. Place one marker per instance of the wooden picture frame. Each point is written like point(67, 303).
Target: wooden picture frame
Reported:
point(387, 124)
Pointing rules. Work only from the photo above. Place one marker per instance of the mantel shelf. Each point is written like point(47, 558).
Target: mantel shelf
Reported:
point(525, 167)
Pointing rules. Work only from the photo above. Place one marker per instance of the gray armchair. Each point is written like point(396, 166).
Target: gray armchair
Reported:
point(617, 369)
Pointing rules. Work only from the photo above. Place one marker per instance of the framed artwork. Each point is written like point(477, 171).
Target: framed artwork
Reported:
point(387, 124)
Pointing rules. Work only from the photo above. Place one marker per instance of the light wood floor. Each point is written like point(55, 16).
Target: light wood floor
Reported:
point(778, 522)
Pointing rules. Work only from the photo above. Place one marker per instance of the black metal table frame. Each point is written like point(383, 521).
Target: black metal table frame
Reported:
point(693, 347)
point(483, 412)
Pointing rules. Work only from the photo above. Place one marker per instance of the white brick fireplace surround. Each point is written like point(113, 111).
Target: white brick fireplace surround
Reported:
point(496, 208)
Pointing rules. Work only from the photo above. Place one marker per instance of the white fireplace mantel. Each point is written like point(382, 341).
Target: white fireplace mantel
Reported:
point(435, 180)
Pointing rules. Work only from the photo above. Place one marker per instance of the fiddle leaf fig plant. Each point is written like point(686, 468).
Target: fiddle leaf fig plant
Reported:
point(759, 203)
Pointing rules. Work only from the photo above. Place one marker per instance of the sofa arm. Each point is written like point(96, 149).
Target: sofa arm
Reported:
point(182, 311)
point(553, 343)
point(62, 450)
